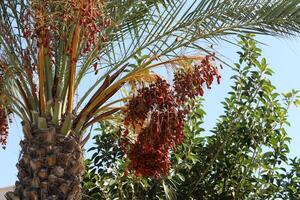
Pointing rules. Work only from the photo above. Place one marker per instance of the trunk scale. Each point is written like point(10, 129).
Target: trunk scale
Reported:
point(50, 166)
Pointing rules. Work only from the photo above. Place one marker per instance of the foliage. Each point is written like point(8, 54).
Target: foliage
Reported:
point(244, 157)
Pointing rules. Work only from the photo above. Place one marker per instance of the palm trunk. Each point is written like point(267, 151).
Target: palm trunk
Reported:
point(50, 167)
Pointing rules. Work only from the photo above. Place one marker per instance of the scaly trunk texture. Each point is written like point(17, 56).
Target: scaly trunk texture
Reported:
point(50, 167)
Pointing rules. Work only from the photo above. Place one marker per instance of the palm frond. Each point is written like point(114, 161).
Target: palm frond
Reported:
point(168, 29)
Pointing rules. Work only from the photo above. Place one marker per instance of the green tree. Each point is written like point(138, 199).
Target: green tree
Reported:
point(48, 49)
point(244, 157)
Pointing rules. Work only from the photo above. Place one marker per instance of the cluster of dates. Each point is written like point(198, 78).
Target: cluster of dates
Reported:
point(3, 127)
point(189, 83)
point(91, 18)
point(156, 116)
point(55, 19)
point(3, 115)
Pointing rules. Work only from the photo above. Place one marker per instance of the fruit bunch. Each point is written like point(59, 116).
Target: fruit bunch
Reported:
point(3, 127)
point(148, 161)
point(156, 115)
point(3, 113)
point(157, 96)
point(53, 19)
point(90, 16)
point(190, 82)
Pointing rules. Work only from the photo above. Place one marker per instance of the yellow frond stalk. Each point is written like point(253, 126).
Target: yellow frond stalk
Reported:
point(137, 75)
point(3, 99)
point(102, 116)
point(73, 57)
point(182, 62)
point(108, 106)
point(41, 80)
point(41, 63)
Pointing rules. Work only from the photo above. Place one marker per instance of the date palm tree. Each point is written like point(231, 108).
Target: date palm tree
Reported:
point(63, 64)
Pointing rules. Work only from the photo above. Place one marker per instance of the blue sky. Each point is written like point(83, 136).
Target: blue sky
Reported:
point(282, 55)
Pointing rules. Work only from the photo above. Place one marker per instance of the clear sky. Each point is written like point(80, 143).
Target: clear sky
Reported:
point(282, 55)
